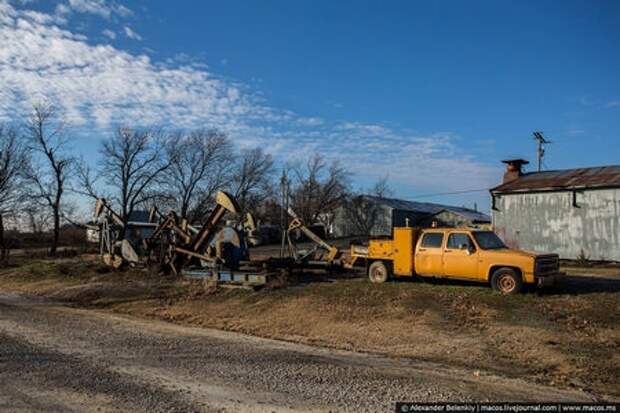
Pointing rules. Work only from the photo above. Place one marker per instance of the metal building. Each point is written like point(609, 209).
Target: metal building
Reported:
point(573, 212)
point(392, 212)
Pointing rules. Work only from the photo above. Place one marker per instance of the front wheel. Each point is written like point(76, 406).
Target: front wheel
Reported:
point(378, 272)
point(506, 281)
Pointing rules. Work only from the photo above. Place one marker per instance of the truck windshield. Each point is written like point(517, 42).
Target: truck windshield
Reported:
point(488, 240)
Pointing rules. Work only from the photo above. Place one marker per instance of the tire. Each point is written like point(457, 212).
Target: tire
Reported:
point(378, 272)
point(506, 281)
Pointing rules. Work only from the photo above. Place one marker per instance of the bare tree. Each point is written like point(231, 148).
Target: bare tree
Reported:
point(252, 181)
point(86, 180)
point(361, 212)
point(131, 164)
point(318, 188)
point(52, 166)
point(13, 163)
point(202, 165)
point(37, 219)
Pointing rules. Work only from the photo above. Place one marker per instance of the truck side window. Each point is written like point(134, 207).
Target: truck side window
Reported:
point(432, 240)
point(456, 241)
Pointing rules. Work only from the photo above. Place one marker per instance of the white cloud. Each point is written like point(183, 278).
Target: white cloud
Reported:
point(575, 131)
point(40, 18)
point(131, 34)
point(109, 34)
point(431, 161)
point(613, 103)
point(312, 121)
point(364, 129)
point(585, 101)
point(98, 86)
point(103, 8)
point(104, 83)
point(62, 9)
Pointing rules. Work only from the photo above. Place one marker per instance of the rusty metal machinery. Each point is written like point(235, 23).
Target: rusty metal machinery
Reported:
point(179, 244)
point(217, 250)
point(322, 252)
point(170, 229)
point(231, 243)
point(114, 248)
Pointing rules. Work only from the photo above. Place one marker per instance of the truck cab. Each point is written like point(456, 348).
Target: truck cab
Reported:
point(458, 253)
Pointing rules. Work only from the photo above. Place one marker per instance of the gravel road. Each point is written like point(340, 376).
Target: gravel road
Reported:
point(59, 359)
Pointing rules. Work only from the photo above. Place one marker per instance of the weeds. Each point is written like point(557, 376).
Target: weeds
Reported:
point(583, 259)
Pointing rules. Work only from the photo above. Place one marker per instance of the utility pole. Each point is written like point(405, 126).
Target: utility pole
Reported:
point(284, 190)
point(538, 136)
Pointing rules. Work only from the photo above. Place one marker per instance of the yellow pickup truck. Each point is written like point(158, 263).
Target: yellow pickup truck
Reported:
point(458, 253)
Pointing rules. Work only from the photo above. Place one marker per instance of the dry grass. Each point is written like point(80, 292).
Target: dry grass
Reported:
point(567, 337)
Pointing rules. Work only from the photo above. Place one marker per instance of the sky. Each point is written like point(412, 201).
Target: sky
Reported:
point(431, 94)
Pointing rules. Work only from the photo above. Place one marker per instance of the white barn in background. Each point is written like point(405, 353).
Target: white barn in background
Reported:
point(573, 212)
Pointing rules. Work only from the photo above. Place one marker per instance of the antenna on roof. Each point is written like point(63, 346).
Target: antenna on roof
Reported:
point(538, 136)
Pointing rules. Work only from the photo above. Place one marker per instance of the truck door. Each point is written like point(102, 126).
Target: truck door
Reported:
point(428, 257)
point(460, 256)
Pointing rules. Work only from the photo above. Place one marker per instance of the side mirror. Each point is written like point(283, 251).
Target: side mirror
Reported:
point(470, 249)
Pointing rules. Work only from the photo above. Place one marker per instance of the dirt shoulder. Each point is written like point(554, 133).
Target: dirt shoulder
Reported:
point(58, 358)
point(566, 338)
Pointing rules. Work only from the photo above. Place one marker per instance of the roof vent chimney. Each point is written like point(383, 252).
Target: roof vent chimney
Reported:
point(514, 169)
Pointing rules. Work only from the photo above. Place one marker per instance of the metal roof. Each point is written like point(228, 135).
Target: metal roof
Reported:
point(430, 208)
point(582, 178)
point(471, 215)
point(138, 217)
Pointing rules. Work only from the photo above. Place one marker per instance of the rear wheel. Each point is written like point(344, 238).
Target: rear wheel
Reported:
point(378, 272)
point(506, 281)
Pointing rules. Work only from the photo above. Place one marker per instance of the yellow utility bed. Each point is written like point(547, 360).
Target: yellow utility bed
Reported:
point(399, 250)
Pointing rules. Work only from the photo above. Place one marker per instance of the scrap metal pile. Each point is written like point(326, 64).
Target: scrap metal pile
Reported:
point(217, 249)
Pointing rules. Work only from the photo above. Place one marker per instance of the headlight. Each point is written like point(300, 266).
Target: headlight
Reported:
point(546, 265)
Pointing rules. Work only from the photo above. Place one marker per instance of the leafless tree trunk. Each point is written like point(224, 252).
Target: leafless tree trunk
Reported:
point(202, 162)
point(318, 188)
point(252, 180)
point(13, 163)
point(37, 218)
point(132, 162)
point(53, 165)
point(361, 213)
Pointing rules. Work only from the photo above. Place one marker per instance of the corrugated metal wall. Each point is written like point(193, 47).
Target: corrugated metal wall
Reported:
point(449, 219)
point(549, 222)
point(343, 228)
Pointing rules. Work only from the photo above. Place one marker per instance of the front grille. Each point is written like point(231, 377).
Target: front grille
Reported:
point(547, 265)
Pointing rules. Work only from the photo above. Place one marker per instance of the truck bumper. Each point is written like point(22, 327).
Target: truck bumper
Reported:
point(550, 279)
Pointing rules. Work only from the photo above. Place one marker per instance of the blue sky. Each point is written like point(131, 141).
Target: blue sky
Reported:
point(432, 93)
